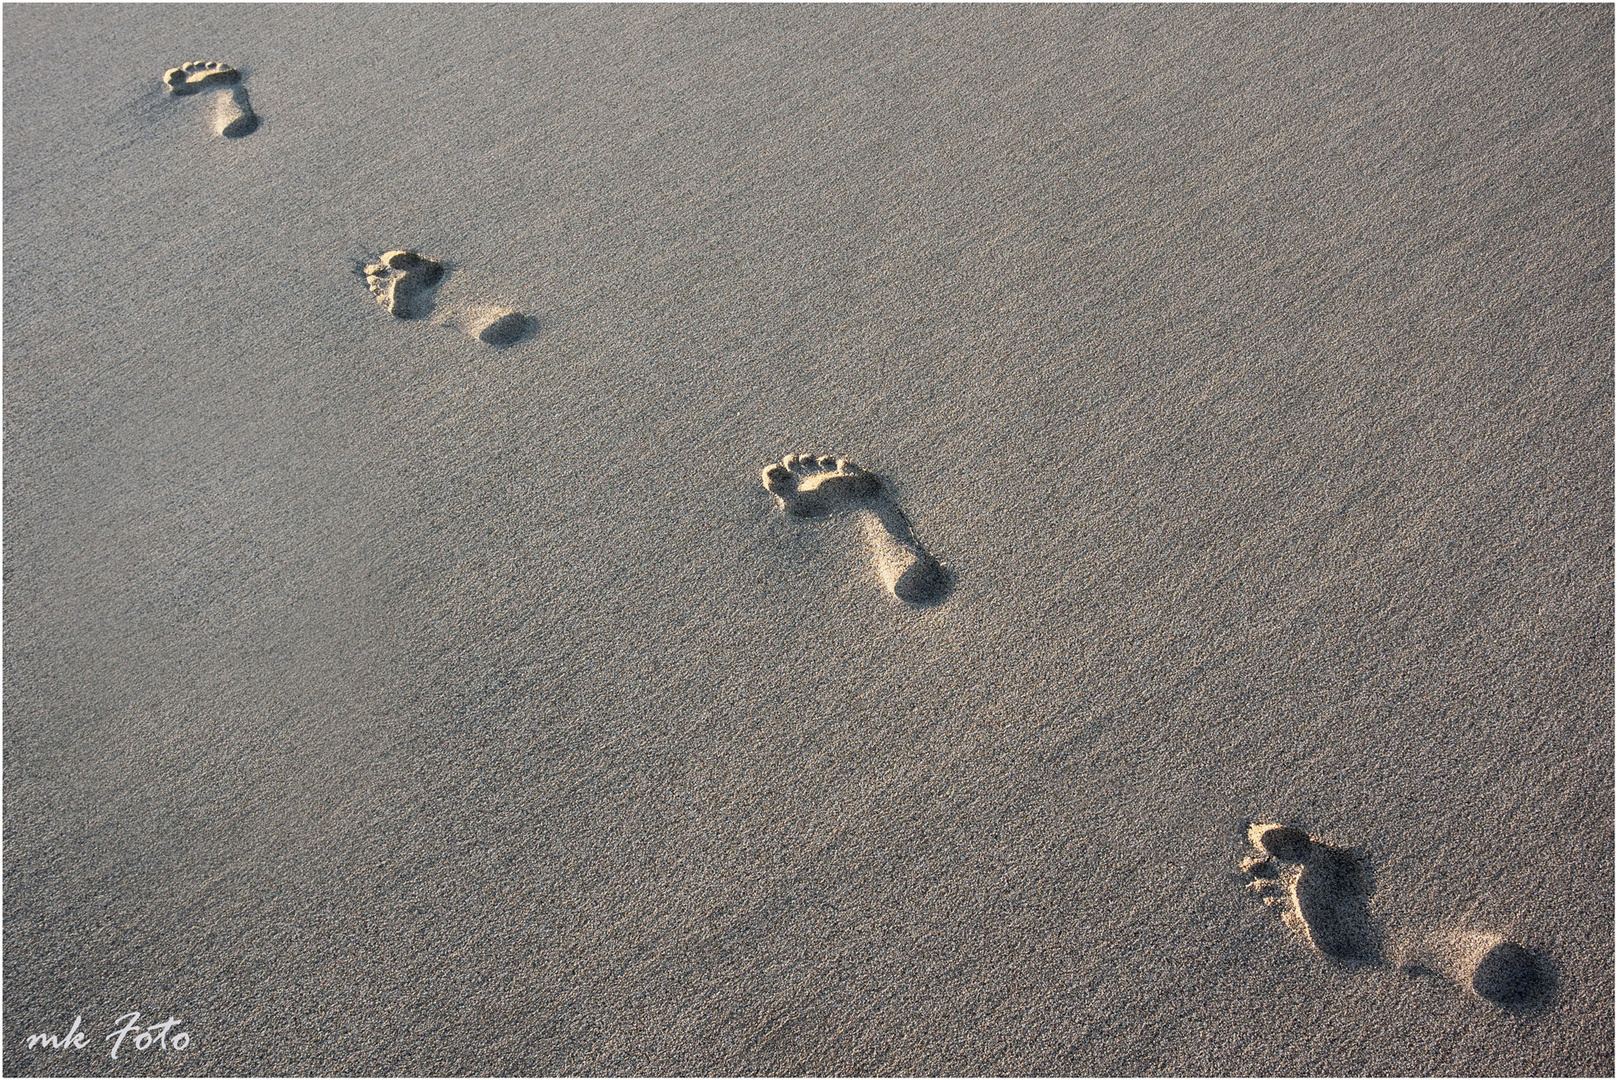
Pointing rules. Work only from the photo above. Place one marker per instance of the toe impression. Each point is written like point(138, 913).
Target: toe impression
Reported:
point(199, 75)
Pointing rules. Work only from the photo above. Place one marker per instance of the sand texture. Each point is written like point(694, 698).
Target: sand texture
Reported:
point(764, 540)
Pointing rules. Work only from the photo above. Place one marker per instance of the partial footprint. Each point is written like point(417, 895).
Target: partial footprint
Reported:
point(1323, 890)
point(496, 326)
point(1490, 966)
point(199, 75)
point(233, 116)
point(403, 282)
point(809, 486)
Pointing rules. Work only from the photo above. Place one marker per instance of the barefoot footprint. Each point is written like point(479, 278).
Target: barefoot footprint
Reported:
point(233, 116)
point(403, 281)
point(809, 486)
point(1322, 888)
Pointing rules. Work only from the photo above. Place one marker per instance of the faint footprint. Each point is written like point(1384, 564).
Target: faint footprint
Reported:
point(233, 116)
point(1322, 888)
point(403, 282)
point(809, 486)
point(1490, 966)
point(496, 326)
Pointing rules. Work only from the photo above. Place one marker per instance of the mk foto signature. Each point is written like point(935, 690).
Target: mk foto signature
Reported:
point(154, 1035)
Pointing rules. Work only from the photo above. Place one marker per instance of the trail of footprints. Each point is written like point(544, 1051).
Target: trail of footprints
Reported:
point(1322, 890)
point(403, 282)
point(1323, 893)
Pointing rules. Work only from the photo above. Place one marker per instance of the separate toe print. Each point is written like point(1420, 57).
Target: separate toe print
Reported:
point(809, 486)
point(233, 114)
point(1322, 890)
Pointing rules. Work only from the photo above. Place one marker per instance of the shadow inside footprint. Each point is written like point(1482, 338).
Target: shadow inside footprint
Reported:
point(1328, 890)
point(234, 116)
point(910, 571)
point(403, 282)
point(1512, 978)
point(503, 328)
point(1495, 969)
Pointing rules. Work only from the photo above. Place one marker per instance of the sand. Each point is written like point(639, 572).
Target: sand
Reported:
point(449, 695)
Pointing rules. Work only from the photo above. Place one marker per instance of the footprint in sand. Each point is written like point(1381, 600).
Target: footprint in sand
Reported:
point(809, 486)
point(1322, 889)
point(404, 282)
point(233, 116)
point(1324, 892)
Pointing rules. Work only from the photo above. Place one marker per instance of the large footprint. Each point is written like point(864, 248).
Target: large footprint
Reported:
point(810, 486)
point(1323, 890)
point(233, 115)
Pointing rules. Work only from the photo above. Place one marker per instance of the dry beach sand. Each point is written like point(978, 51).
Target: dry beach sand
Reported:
point(1226, 391)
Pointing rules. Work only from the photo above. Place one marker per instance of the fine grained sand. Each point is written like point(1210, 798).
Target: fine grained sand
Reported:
point(380, 700)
